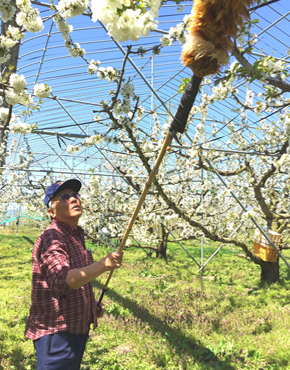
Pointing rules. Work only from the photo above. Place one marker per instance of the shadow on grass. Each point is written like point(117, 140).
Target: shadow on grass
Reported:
point(28, 240)
point(174, 336)
point(19, 361)
point(8, 277)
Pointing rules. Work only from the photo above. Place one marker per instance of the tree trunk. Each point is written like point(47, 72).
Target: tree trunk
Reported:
point(270, 272)
point(162, 245)
point(161, 250)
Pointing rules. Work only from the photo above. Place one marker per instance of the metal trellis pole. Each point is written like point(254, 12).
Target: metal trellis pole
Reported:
point(219, 248)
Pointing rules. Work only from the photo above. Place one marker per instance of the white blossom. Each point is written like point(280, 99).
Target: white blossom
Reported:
point(179, 32)
point(7, 9)
point(20, 127)
point(241, 39)
point(74, 50)
point(200, 128)
point(260, 106)
point(30, 20)
point(117, 109)
point(94, 139)
point(4, 112)
point(4, 50)
point(63, 26)
point(92, 69)
point(42, 90)
point(73, 149)
point(101, 73)
point(17, 82)
point(166, 40)
point(72, 8)
point(123, 22)
point(93, 66)
point(109, 73)
point(127, 89)
point(24, 5)
point(249, 98)
point(148, 147)
point(154, 7)
point(21, 97)
point(285, 158)
point(11, 97)
point(10, 43)
point(287, 127)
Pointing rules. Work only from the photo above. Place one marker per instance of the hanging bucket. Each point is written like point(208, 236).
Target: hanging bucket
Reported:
point(263, 249)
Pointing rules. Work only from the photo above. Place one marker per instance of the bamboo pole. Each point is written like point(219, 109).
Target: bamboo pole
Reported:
point(147, 186)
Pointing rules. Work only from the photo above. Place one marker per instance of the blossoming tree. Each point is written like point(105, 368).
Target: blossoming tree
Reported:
point(254, 165)
point(258, 174)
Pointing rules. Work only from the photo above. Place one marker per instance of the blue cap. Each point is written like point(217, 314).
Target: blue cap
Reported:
point(58, 186)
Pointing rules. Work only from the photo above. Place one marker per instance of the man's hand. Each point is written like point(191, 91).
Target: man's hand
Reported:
point(112, 261)
point(100, 310)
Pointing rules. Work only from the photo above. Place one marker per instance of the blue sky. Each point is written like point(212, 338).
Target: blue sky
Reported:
point(81, 92)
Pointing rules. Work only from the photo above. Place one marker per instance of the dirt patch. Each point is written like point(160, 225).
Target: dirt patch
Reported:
point(124, 348)
point(4, 231)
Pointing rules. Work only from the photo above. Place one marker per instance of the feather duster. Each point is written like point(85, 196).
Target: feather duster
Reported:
point(211, 26)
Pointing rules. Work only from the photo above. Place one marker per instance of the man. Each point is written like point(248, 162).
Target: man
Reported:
point(62, 300)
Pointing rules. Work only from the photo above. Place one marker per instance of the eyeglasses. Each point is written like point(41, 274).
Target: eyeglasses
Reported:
point(66, 196)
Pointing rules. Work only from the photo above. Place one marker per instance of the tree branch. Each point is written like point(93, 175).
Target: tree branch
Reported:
point(206, 232)
point(114, 99)
point(222, 173)
point(274, 81)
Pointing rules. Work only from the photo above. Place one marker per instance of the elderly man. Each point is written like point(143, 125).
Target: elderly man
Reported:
point(62, 300)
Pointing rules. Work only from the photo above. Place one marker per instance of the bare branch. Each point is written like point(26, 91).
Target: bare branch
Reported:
point(114, 99)
point(141, 246)
point(222, 173)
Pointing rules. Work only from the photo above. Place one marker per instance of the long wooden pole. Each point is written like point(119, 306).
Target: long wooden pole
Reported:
point(148, 184)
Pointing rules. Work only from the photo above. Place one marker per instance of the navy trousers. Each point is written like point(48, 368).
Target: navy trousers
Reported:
point(60, 351)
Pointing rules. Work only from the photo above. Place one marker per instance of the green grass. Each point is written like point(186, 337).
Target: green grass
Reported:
point(162, 314)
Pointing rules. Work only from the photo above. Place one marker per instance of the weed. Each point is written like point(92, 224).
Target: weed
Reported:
point(148, 273)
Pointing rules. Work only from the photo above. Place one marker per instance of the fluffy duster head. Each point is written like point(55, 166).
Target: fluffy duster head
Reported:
point(202, 56)
point(212, 24)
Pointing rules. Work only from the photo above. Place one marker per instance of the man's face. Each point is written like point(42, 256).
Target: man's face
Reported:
point(68, 211)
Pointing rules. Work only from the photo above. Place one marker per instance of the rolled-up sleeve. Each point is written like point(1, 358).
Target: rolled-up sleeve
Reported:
point(53, 260)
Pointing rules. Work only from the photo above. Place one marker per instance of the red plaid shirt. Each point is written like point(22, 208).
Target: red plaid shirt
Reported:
point(55, 307)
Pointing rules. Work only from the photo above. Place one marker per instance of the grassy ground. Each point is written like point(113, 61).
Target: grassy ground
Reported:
point(161, 314)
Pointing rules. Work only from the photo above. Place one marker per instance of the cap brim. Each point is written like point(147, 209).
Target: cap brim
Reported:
point(72, 184)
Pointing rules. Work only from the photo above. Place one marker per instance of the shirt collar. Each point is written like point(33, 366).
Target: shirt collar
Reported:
point(68, 228)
